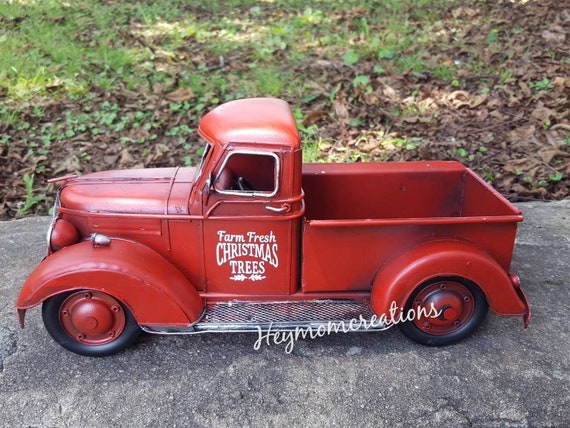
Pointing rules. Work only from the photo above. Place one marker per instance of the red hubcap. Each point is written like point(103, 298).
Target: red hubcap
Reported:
point(92, 317)
point(454, 302)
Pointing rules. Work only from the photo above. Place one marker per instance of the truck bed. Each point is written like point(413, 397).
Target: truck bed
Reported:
point(360, 215)
point(398, 190)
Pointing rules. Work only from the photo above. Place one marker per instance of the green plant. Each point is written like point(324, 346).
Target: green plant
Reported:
point(9, 116)
point(31, 199)
point(402, 143)
point(361, 80)
point(443, 72)
point(470, 155)
point(504, 76)
point(493, 36)
point(488, 175)
point(38, 112)
point(350, 58)
point(387, 53)
point(311, 151)
point(541, 85)
point(410, 63)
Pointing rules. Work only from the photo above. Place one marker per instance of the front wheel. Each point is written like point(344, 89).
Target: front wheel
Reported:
point(461, 308)
point(89, 322)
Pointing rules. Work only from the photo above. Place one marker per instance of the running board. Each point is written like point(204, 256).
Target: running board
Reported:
point(241, 316)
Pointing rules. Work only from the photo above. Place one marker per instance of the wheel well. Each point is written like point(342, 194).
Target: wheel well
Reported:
point(152, 288)
point(398, 279)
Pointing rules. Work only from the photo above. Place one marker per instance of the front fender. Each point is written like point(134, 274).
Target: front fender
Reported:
point(154, 290)
point(398, 280)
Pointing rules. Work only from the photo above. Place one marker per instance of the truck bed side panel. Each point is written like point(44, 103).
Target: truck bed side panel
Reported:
point(339, 258)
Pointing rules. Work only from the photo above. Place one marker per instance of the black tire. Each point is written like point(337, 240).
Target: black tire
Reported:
point(462, 306)
point(89, 323)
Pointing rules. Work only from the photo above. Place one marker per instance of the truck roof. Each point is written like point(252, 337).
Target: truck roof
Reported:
point(251, 120)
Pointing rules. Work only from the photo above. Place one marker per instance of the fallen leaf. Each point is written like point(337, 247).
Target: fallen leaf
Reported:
point(552, 37)
point(180, 95)
point(341, 111)
point(526, 90)
point(542, 115)
point(561, 83)
point(548, 153)
point(521, 133)
point(125, 158)
point(313, 117)
point(498, 115)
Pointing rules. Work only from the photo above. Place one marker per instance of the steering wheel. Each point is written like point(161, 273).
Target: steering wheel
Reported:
point(243, 184)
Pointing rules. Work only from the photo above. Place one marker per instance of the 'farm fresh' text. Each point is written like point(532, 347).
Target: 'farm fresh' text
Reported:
point(253, 250)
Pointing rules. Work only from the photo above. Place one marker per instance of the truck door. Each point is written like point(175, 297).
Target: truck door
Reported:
point(251, 230)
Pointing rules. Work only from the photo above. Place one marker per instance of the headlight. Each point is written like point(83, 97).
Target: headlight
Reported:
point(62, 233)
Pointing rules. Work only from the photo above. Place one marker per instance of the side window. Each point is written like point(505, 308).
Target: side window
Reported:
point(248, 173)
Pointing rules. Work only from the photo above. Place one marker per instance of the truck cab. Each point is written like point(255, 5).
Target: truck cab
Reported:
point(252, 199)
point(255, 240)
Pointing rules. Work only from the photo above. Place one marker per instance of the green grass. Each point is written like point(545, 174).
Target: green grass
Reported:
point(223, 50)
point(220, 50)
point(51, 47)
point(31, 200)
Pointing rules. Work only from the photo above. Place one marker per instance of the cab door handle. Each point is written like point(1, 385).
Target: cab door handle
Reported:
point(285, 208)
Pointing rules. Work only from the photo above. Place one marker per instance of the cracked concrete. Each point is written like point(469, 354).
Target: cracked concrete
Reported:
point(503, 376)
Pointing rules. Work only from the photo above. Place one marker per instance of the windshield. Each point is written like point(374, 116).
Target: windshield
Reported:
point(205, 156)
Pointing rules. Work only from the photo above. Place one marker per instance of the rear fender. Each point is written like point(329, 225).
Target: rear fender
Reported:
point(153, 289)
point(398, 280)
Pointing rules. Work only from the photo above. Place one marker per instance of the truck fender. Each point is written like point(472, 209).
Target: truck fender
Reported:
point(153, 289)
point(397, 281)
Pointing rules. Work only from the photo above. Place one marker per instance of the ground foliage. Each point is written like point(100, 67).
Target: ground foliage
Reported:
point(489, 87)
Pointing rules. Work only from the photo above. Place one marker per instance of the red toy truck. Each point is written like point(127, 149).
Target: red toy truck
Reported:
point(253, 239)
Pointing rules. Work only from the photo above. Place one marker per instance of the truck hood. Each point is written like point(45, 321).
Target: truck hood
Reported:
point(153, 191)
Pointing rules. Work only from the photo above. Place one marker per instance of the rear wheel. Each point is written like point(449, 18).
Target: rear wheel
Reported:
point(89, 322)
point(461, 307)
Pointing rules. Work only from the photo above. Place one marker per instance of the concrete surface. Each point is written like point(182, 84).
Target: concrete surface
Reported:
point(503, 376)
